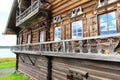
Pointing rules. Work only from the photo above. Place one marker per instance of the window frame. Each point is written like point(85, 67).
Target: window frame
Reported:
point(58, 39)
point(76, 29)
point(107, 22)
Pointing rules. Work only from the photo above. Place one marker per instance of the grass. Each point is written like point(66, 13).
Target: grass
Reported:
point(7, 63)
point(14, 76)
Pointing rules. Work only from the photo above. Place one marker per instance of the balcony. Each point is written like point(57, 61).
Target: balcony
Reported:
point(30, 12)
point(95, 48)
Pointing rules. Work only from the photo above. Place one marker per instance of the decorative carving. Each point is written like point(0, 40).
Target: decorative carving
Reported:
point(57, 19)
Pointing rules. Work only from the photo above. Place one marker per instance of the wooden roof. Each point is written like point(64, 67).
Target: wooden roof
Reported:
point(11, 23)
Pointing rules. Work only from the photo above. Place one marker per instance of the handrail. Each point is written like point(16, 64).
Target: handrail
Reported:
point(81, 45)
point(78, 39)
point(27, 11)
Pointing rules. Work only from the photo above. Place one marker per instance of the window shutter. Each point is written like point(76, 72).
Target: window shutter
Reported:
point(93, 26)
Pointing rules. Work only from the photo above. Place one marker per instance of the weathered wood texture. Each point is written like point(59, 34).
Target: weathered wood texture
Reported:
point(38, 71)
point(97, 70)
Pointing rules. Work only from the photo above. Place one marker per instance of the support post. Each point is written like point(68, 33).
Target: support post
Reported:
point(49, 68)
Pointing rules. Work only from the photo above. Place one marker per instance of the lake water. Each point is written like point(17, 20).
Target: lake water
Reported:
point(6, 53)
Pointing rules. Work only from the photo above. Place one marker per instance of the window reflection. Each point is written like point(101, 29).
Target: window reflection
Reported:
point(57, 34)
point(41, 36)
point(108, 23)
point(77, 29)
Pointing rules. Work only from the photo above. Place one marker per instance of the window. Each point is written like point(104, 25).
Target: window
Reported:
point(77, 29)
point(41, 36)
point(108, 23)
point(20, 40)
point(29, 39)
point(57, 34)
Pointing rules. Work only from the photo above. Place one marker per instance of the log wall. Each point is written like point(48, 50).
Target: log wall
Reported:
point(97, 70)
point(36, 71)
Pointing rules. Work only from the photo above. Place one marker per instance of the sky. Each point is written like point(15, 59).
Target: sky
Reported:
point(5, 7)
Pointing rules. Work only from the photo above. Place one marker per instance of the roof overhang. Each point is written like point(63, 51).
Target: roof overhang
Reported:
point(11, 23)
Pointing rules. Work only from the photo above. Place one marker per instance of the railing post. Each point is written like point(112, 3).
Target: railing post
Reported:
point(81, 46)
point(63, 46)
point(49, 47)
point(88, 46)
point(99, 47)
point(67, 46)
point(57, 46)
point(111, 46)
point(73, 47)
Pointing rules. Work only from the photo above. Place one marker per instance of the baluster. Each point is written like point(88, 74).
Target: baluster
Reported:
point(57, 46)
point(88, 46)
point(67, 46)
point(45, 48)
point(81, 46)
point(63, 45)
point(53, 49)
point(40, 48)
point(99, 47)
point(49, 47)
point(111, 46)
point(73, 46)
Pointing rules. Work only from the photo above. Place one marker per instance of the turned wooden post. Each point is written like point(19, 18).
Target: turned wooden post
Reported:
point(99, 47)
point(81, 46)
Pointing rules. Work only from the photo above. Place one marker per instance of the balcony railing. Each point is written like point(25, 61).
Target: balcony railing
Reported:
point(95, 45)
point(29, 10)
point(99, 47)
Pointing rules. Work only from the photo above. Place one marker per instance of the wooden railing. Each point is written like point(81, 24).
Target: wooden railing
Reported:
point(30, 9)
point(90, 45)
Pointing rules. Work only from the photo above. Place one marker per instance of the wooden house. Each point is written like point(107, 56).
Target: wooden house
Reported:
point(66, 39)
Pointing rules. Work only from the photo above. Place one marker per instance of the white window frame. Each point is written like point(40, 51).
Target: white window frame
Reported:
point(75, 24)
point(41, 38)
point(107, 21)
point(57, 34)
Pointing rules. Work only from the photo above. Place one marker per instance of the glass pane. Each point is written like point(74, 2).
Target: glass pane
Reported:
point(79, 34)
point(103, 18)
point(57, 33)
point(112, 30)
point(103, 26)
point(103, 32)
point(111, 16)
point(41, 36)
point(73, 35)
point(112, 23)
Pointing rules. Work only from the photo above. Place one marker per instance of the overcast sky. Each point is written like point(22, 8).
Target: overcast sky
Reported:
point(5, 7)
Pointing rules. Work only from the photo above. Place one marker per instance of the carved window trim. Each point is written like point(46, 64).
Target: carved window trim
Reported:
point(102, 3)
point(57, 19)
point(76, 11)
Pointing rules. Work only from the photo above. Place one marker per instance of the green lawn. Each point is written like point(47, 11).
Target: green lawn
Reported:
point(14, 76)
point(7, 63)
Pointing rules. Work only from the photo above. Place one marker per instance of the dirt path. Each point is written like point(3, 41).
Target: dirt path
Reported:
point(6, 71)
